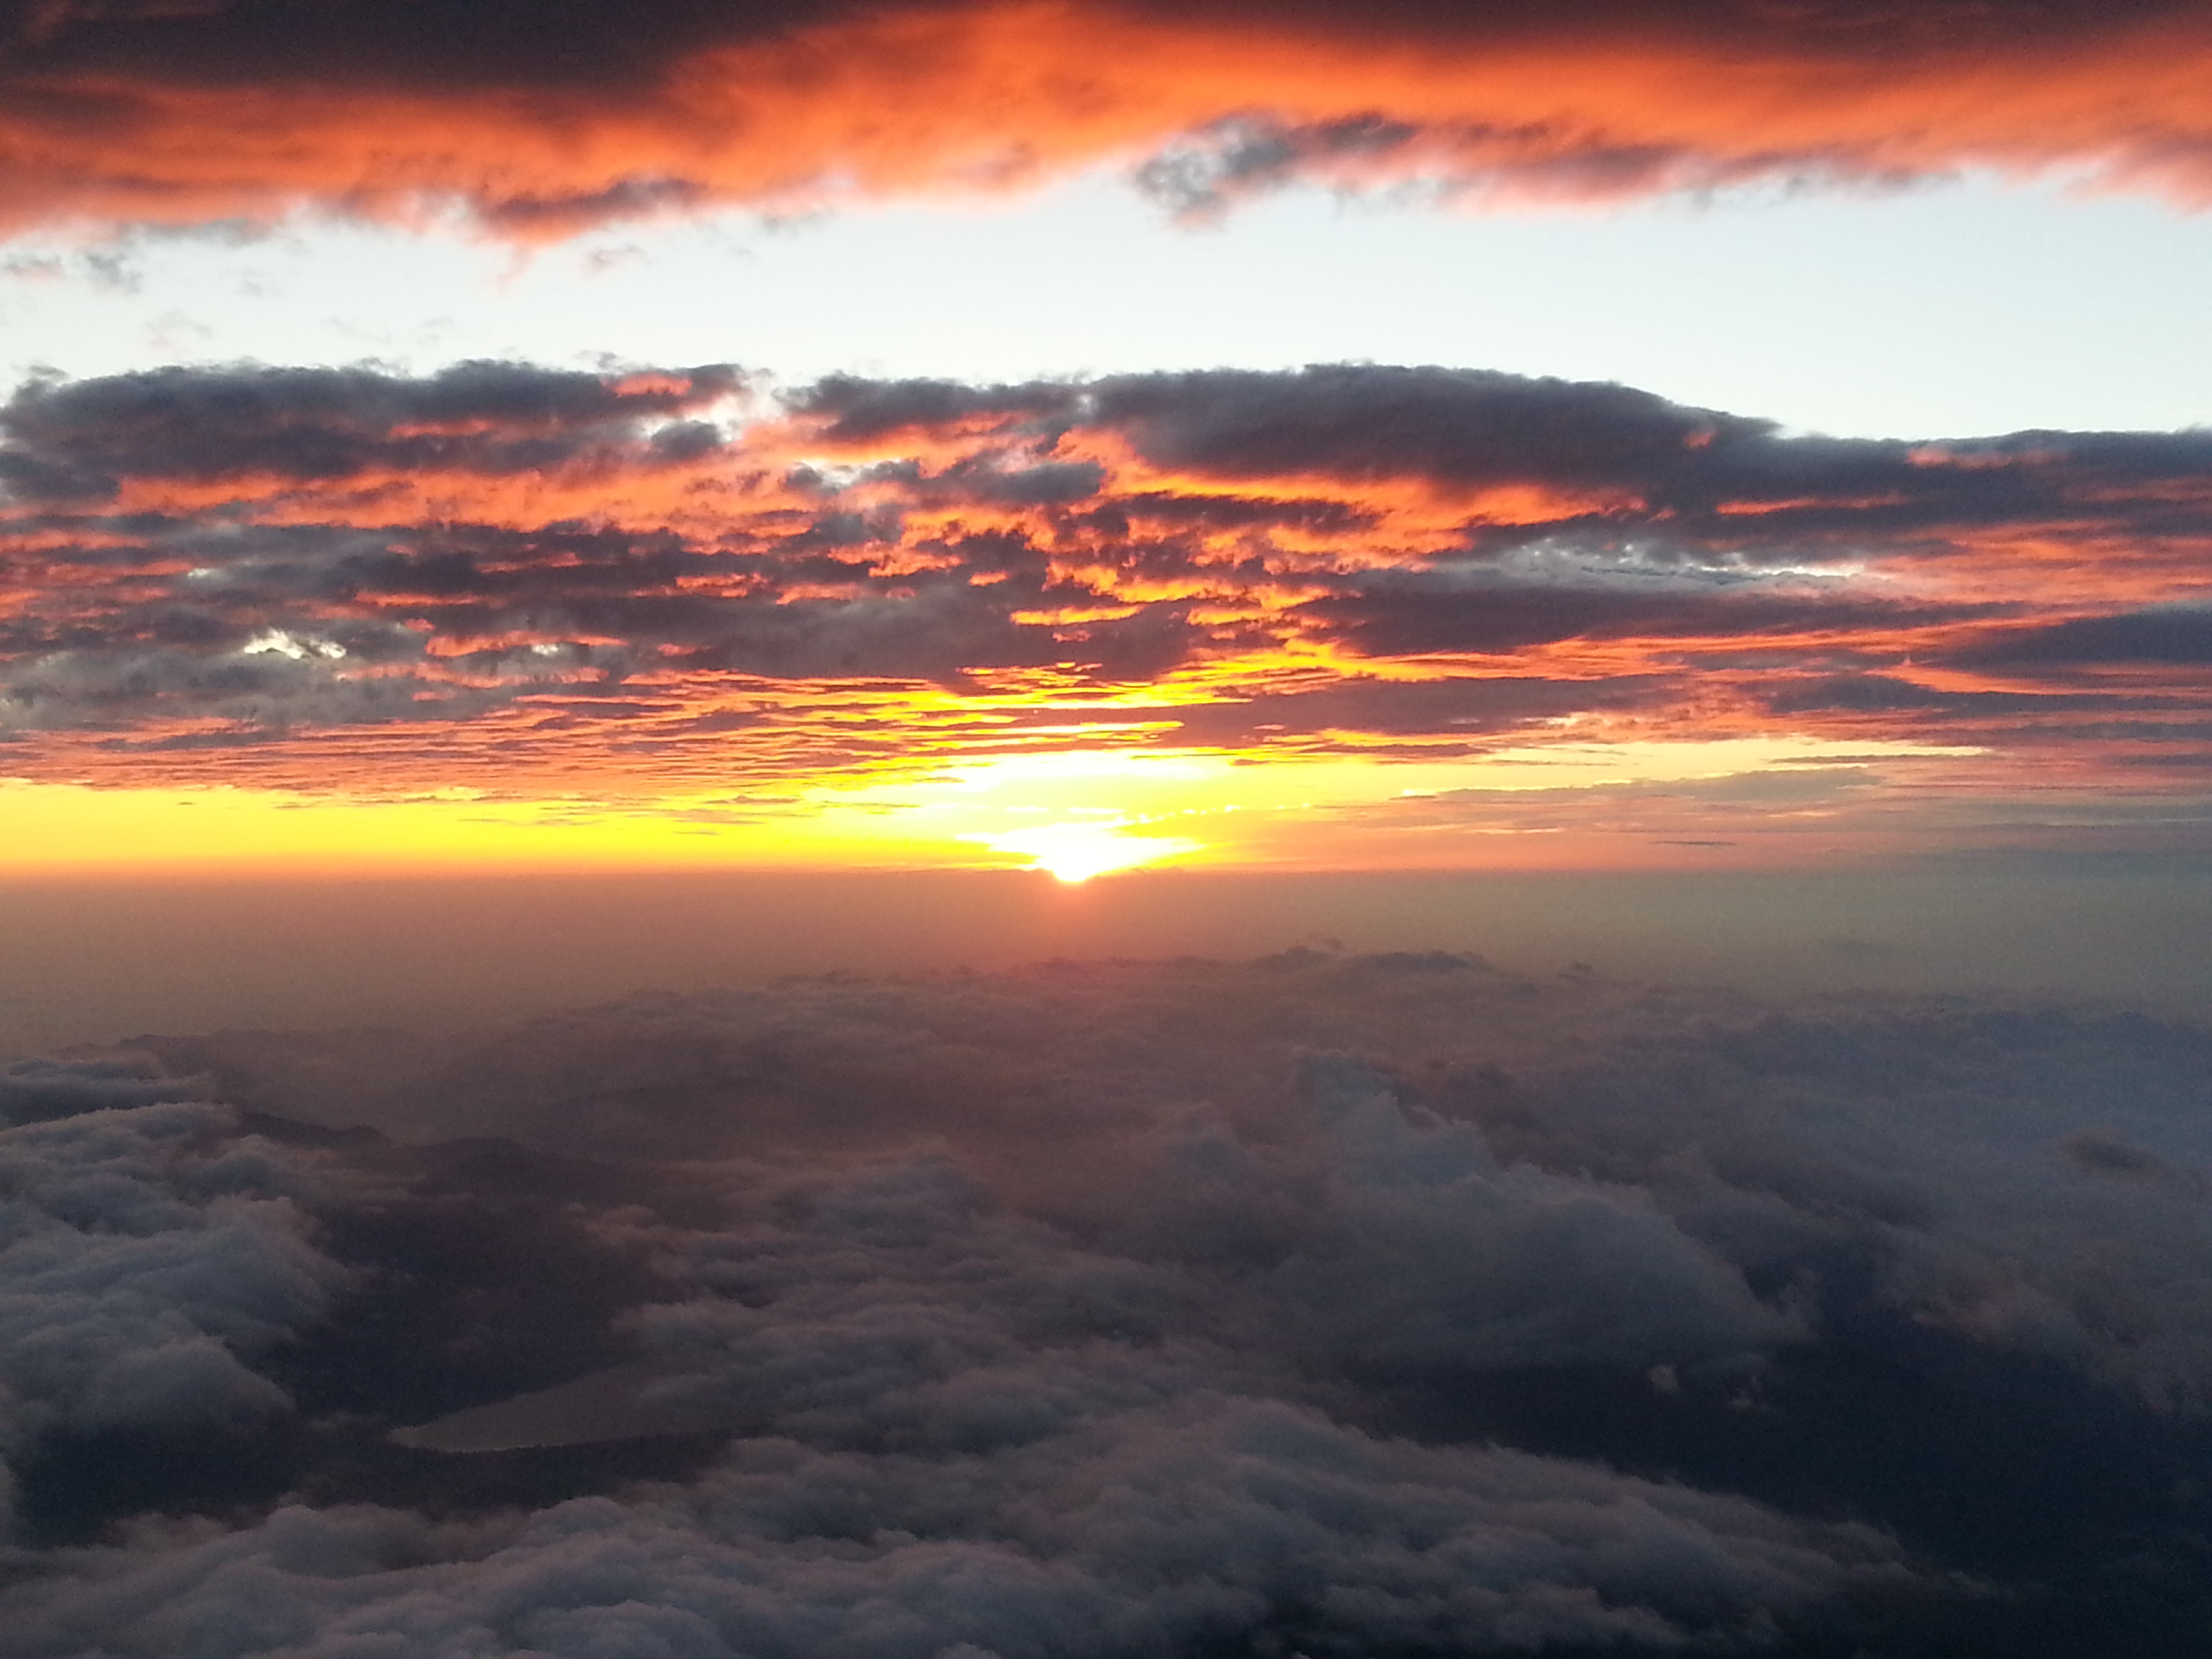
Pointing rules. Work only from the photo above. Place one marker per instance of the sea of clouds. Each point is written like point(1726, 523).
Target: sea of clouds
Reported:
point(1323, 1304)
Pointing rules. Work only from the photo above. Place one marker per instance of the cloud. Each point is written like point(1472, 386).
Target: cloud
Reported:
point(149, 1252)
point(36, 1090)
point(347, 580)
point(1409, 613)
point(2168, 635)
point(1161, 1533)
point(1462, 426)
point(543, 123)
point(304, 425)
point(1327, 1302)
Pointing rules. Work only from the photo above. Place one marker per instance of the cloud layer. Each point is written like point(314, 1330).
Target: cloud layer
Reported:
point(539, 121)
point(1320, 1303)
point(514, 578)
point(147, 1251)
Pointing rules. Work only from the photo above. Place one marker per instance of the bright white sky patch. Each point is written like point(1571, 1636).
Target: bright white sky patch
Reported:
point(1082, 813)
point(1944, 312)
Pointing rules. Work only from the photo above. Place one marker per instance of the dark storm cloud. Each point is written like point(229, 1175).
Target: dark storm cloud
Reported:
point(1320, 1303)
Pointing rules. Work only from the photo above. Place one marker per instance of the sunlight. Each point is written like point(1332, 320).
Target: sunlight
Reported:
point(1077, 852)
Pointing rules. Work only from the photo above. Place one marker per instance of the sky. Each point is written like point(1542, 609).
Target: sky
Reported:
point(1651, 435)
point(1086, 829)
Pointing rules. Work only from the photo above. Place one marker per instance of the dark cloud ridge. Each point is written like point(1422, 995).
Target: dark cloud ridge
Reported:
point(2172, 634)
point(462, 46)
point(77, 438)
point(1360, 423)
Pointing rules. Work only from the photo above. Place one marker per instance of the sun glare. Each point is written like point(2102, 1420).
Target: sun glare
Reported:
point(1076, 852)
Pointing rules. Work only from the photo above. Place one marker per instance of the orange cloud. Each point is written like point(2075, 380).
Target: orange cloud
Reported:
point(505, 581)
point(546, 123)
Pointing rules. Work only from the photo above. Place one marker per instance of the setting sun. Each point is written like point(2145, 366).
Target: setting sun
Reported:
point(1076, 852)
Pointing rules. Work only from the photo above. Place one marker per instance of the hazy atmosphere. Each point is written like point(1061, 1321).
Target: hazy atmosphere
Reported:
point(1081, 830)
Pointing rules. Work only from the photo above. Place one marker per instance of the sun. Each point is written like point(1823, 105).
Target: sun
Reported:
point(1076, 852)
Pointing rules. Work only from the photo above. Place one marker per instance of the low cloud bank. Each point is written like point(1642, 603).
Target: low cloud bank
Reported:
point(1320, 1303)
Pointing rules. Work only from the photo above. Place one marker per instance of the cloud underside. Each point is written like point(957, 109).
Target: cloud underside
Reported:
point(517, 578)
point(540, 120)
point(1323, 1304)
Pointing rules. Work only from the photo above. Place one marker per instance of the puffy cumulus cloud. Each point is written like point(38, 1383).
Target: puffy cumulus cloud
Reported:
point(148, 1252)
point(652, 581)
point(543, 120)
point(1320, 1304)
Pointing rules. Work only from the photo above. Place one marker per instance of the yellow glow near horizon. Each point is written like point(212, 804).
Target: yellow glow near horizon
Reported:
point(1076, 814)
point(1224, 810)
point(58, 828)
